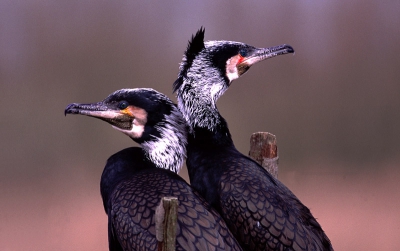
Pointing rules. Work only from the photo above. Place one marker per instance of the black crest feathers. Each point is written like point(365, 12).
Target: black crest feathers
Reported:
point(195, 46)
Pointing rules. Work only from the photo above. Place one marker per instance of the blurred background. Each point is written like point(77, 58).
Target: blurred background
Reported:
point(334, 106)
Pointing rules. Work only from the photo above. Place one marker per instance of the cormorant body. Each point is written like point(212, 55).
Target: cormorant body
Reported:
point(135, 179)
point(261, 212)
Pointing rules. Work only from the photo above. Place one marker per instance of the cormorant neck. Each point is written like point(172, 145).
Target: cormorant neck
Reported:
point(197, 99)
point(169, 150)
point(219, 136)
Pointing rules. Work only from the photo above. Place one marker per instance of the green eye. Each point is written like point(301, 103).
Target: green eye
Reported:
point(122, 105)
point(243, 52)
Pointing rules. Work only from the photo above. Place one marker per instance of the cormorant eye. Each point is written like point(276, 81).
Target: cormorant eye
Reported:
point(243, 52)
point(122, 105)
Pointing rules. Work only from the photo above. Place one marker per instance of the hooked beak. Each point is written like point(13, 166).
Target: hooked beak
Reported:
point(101, 111)
point(261, 54)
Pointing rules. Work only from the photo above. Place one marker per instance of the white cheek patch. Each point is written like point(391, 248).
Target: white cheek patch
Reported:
point(231, 69)
point(138, 123)
point(136, 131)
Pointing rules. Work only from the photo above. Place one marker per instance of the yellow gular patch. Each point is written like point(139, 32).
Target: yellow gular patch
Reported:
point(137, 113)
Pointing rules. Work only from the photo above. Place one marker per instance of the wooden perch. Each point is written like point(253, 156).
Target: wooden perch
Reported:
point(166, 223)
point(264, 150)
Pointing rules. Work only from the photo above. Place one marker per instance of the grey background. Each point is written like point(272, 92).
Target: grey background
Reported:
point(334, 106)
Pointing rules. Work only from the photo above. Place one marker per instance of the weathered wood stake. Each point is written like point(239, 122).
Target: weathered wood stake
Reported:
point(166, 223)
point(264, 150)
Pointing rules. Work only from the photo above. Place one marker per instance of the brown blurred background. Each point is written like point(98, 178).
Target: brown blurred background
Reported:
point(334, 106)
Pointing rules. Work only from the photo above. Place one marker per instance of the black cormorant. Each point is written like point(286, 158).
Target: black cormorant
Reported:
point(135, 179)
point(261, 212)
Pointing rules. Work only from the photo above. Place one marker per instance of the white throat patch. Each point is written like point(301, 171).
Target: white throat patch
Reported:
point(169, 150)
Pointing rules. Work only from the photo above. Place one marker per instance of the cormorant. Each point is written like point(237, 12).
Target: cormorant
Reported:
point(261, 212)
point(135, 179)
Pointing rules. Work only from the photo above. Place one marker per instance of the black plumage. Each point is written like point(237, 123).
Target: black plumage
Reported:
point(261, 212)
point(135, 179)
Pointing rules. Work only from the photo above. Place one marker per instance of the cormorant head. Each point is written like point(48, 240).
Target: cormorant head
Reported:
point(208, 68)
point(148, 117)
point(230, 59)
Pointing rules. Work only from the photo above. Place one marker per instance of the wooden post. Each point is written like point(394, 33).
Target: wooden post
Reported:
point(166, 223)
point(264, 150)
